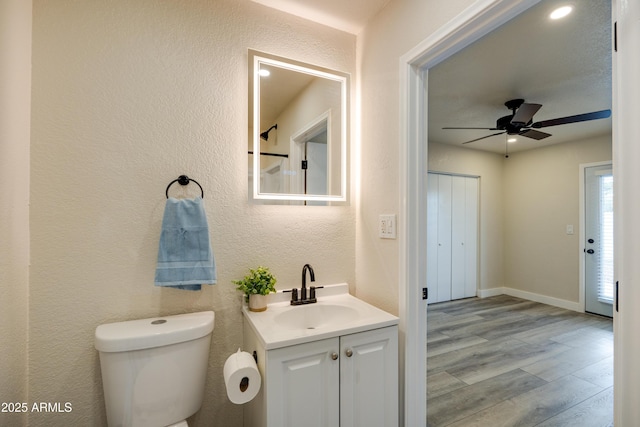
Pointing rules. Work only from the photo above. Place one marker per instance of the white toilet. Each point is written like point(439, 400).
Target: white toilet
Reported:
point(154, 370)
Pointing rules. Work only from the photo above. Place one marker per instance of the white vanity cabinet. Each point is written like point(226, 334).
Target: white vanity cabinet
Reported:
point(301, 385)
point(350, 380)
point(369, 378)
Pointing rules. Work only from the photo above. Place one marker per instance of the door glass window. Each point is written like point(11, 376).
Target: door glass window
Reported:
point(605, 261)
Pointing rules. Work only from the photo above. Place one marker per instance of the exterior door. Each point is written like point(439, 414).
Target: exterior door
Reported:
point(598, 244)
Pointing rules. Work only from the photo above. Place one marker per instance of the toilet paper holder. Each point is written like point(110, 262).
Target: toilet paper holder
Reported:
point(242, 377)
point(244, 383)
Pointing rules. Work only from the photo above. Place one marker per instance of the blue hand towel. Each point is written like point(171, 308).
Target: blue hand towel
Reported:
point(185, 258)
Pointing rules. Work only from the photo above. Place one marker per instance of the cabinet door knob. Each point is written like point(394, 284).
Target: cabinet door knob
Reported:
point(349, 352)
point(334, 356)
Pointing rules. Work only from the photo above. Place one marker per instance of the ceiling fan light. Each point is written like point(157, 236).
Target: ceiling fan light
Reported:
point(561, 12)
point(511, 140)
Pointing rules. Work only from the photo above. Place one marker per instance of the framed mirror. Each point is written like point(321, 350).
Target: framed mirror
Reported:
point(298, 130)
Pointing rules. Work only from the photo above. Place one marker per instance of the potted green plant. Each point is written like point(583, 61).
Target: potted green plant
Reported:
point(256, 286)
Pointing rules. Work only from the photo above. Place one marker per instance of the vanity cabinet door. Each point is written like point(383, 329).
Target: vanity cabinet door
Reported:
point(369, 378)
point(303, 383)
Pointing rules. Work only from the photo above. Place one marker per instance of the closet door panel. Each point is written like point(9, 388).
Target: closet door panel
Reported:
point(458, 236)
point(432, 237)
point(444, 238)
point(471, 237)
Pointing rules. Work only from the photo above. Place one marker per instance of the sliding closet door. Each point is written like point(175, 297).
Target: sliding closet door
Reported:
point(444, 238)
point(452, 237)
point(464, 237)
point(458, 237)
point(432, 237)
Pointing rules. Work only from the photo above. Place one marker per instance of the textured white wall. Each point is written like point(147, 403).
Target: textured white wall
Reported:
point(541, 192)
point(391, 34)
point(127, 95)
point(15, 80)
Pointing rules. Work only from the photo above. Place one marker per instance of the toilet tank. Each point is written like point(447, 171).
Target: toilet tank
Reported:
point(154, 370)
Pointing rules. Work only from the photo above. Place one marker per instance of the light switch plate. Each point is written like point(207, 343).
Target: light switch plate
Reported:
point(387, 226)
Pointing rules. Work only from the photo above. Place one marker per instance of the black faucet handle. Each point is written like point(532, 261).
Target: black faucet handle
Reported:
point(294, 294)
point(312, 291)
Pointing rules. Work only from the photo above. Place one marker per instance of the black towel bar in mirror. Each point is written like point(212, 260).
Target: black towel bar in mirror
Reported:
point(183, 180)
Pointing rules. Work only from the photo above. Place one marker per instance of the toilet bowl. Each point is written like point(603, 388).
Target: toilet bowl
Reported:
point(154, 370)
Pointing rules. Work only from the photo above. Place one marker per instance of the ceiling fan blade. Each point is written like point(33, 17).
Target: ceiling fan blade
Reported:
point(483, 137)
point(573, 119)
point(525, 113)
point(471, 128)
point(534, 134)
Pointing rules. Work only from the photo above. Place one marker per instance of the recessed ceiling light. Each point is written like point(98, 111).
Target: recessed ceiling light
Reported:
point(561, 12)
point(264, 72)
point(511, 140)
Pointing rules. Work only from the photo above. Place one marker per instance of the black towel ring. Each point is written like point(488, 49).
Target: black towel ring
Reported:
point(183, 180)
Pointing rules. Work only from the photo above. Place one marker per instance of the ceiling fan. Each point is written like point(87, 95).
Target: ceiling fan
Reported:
point(520, 122)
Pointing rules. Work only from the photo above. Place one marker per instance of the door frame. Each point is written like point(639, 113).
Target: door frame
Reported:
point(582, 301)
point(477, 20)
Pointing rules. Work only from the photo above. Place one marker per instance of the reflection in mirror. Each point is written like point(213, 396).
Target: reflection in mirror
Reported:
point(299, 128)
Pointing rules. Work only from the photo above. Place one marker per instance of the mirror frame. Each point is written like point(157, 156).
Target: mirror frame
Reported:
point(257, 58)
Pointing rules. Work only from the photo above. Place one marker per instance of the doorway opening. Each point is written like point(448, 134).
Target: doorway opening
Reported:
point(475, 22)
point(310, 149)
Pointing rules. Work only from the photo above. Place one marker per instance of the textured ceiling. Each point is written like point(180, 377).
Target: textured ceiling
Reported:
point(564, 65)
point(346, 15)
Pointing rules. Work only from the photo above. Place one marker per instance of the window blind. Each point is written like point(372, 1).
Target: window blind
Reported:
point(605, 260)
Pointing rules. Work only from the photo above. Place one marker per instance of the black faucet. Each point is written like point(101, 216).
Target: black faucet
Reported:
point(303, 291)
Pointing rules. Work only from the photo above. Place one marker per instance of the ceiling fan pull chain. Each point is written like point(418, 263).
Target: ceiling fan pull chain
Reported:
point(506, 147)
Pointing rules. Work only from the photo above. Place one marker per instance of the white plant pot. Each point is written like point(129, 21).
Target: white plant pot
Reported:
point(257, 302)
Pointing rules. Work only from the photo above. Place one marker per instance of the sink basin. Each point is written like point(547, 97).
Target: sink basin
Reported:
point(315, 316)
point(336, 313)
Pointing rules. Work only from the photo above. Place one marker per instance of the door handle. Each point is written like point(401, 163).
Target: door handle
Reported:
point(590, 251)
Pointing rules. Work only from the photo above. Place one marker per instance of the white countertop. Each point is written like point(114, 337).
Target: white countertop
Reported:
point(348, 315)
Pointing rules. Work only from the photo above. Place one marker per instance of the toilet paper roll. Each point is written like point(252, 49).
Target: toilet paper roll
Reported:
point(241, 377)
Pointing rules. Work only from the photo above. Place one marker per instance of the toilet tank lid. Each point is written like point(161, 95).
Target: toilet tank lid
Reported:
point(154, 332)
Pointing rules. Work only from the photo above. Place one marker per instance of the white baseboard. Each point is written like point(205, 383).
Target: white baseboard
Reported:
point(544, 299)
point(484, 293)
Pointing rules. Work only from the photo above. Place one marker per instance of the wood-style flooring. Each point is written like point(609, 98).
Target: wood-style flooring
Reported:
point(505, 361)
